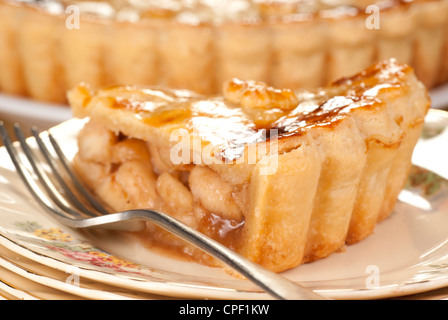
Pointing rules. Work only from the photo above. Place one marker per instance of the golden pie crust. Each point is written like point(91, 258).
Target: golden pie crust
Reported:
point(287, 44)
point(284, 177)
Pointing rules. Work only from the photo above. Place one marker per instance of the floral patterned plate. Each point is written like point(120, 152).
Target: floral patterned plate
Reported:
point(47, 283)
point(407, 254)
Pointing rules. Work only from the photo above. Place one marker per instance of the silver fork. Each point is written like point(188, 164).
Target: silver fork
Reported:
point(75, 207)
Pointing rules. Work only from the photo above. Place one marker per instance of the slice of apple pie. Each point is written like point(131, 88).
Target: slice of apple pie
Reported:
point(283, 177)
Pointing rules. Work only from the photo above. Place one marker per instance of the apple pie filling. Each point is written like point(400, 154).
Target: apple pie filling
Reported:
point(129, 173)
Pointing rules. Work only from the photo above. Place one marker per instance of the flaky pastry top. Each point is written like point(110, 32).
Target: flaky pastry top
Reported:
point(248, 112)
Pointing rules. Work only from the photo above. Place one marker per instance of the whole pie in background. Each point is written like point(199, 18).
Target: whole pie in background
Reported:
point(198, 45)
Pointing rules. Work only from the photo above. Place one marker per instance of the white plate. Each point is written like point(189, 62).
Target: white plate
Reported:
point(407, 254)
point(29, 112)
point(439, 97)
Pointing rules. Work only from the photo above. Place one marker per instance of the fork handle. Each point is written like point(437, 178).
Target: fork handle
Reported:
point(276, 285)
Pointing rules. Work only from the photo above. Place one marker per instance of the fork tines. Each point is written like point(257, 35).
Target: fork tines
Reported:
point(48, 176)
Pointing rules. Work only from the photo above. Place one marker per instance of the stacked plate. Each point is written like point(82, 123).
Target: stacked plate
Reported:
point(42, 259)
